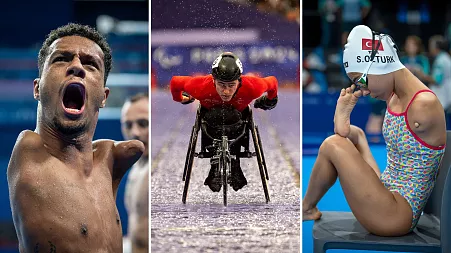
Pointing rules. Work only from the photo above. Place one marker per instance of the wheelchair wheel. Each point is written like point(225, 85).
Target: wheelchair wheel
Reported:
point(262, 153)
point(189, 164)
point(189, 160)
point(187, 179)
point(258, 152)
point(224, 166)
point(189, 154)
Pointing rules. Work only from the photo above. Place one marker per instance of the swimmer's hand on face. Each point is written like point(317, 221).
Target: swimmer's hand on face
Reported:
point(187, 98)
point(357, 91)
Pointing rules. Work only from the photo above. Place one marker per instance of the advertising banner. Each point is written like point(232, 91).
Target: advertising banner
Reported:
point(279, 60)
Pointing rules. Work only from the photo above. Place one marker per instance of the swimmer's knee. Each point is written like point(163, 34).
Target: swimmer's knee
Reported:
point(333, 143)
point(334, 140)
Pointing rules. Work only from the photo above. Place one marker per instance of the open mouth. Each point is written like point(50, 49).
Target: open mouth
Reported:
point(74, 99)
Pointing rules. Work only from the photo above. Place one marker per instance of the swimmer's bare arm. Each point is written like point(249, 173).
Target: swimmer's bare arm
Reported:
point(27, 157)
point(121, 158)
point(427, 120)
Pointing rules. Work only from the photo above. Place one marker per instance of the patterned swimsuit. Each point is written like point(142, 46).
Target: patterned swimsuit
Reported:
point(412, 164)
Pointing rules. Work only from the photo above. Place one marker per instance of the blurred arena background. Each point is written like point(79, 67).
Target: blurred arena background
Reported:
point(326, 23)
point(24, 27)
point(263, 34)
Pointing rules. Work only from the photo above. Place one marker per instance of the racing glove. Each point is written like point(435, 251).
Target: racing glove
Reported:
point(265, 103)
point(191, 98)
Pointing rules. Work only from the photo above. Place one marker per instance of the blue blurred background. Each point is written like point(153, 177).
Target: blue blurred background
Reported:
point(326, 24)
point(25, 25)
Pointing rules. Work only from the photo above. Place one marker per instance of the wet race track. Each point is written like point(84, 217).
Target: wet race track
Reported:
point(247, 224)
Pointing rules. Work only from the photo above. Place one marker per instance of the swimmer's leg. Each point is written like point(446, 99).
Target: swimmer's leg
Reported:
point(358, 138)
point(342, 124)
point(380, 211)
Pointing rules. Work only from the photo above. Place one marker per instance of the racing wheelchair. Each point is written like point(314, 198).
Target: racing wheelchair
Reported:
point(220, 150)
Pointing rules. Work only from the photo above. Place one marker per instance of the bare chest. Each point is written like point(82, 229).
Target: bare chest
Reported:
point(68, 210)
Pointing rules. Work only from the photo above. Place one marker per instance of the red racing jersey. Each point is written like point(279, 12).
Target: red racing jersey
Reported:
point(203, 89)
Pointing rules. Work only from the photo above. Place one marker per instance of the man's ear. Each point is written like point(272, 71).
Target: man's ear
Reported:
point(107, 92)
point(36, 88)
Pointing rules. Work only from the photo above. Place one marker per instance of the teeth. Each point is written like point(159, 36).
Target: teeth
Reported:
point(72, 110)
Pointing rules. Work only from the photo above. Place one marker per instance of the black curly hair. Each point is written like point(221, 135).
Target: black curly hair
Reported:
point(73, 29)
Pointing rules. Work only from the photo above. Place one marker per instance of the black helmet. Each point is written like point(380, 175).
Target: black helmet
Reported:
point(227, 67)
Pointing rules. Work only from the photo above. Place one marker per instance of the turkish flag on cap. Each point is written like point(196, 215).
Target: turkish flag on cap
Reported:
point(366, 45)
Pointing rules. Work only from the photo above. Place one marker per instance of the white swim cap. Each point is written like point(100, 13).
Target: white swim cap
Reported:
point(357, 52)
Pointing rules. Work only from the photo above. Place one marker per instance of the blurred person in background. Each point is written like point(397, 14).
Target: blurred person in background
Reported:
point(289, 9)
point(135, 126)
point(447, 32)
point(448, 35)
point(328, 14)
point(352, 13)
point(440, 78)
point(314, 72)
point(309, 85)
point(414, 58)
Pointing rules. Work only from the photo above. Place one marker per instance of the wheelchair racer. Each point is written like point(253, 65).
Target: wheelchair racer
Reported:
point(224, 96)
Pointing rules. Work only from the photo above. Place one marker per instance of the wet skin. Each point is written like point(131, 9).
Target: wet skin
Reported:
point(63, 185)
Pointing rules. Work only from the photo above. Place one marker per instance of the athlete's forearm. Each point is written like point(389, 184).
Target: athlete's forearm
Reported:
point(176, 89)
point(272, 87)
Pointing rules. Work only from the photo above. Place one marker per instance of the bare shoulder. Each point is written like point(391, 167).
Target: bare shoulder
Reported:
point(29, 149)
point(426, 108)
point(427, 118)
point(28, 145)
point(29, 140)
